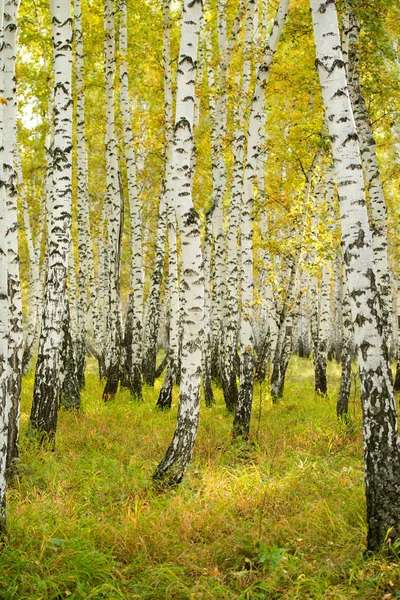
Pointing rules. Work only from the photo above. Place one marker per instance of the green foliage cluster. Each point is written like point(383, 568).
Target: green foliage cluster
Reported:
point(280, 518)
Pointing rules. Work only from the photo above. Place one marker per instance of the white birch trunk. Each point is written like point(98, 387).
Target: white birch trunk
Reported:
point(86, 311)
point(35, 282)
point(173, 466)
point(5, 398)
point(241, 423)
point(135, 376)
point(206, 352)
point(373, 179)
point(45, 400)
point(10, 177)
point(381, 441)
point(228, 346)
point(219, 125)
point(152, 311)
point(173, 305)
point(113, 201)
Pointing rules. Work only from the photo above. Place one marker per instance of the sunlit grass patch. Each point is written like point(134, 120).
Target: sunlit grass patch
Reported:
point(279, 517)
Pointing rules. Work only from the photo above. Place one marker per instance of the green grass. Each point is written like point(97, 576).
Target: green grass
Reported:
point(281, 517)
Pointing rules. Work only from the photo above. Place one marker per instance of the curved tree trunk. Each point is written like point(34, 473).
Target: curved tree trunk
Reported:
point(372, 176)
point(381, 440)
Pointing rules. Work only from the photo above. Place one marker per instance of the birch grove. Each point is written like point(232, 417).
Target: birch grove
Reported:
point(45, 400)
point(203, 198)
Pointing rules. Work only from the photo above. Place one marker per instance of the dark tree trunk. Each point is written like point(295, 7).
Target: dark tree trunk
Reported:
point(70, 397)
point(342, 406)
point(111, 387)
point(161, 367)
point(396, 384)
point(241, 421)
point(321, 385)
point(207, 380)
point(80, 363)
point(164, 401)
point(230, 389)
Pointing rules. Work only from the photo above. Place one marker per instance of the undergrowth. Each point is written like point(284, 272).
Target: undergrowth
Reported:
point(280, 517)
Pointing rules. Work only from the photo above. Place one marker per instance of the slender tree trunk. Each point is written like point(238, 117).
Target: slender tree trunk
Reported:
point(218, 109)
point(228, 347)
point(135, 214)
point(35, 282)
point(371, 171)
point(321, 384)
point(152, 312)
point(342, 405)
point(165, 397)
point(241, 422)
point(397, 376)
point(381, 440)
point(45, 396)
point(206, 350)
point(10, 177)
point(5, 398)
point(114, 216)
point(70, 397)
point(85, 251)
point(173, 306)
point(174, 464)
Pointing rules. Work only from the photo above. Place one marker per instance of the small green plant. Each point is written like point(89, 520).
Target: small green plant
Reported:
point(270, 558)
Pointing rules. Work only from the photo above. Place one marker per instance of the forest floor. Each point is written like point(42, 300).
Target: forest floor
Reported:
point(281, 517)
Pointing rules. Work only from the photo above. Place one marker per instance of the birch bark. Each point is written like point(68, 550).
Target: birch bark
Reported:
point(173, 466)
point(231, 300)
point(381, 441)
point(44, 408)
point(114, 213)
point(10, 177)
point(241, 422)
point(35, 282)
point(5, 399)
point(152, 312)
point(218, 109)
point(85, 250)
point(373, 179)
point(135, 214)
point(173, 305)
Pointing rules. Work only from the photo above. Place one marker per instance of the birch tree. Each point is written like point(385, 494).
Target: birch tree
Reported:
point(135, 375)
point(10, 178)
point(372, 176)
point(231, 301)
point(241, 423)
point(45, 396)
point(174, 464)
point(381, 441)
point(35, 279)
point(4, 301)
point(113, 337)
point(85, 250)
